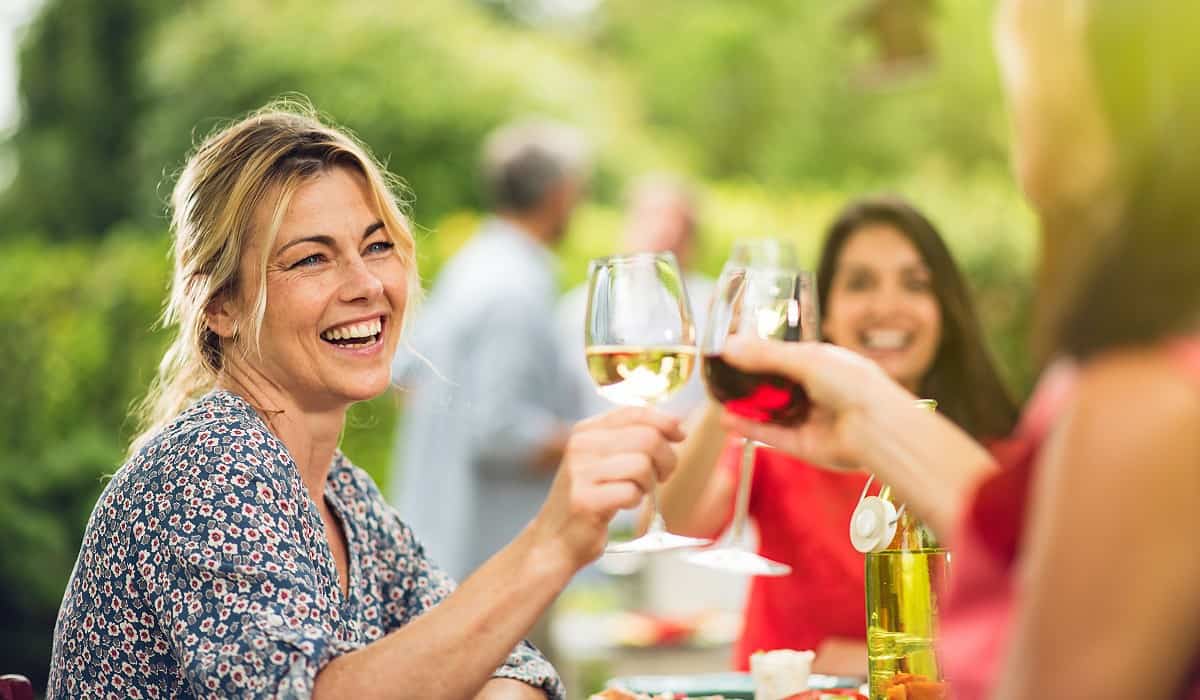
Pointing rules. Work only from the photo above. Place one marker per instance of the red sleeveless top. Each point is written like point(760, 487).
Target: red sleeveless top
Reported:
point(803, 515)
point(978, 608)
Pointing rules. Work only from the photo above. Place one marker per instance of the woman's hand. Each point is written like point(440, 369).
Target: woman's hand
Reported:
point(861, 419)
point(841, 384)
point(611, 462)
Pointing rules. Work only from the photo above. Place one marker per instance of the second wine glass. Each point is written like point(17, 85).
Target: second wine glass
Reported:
point(641, 348)
point(766, 301)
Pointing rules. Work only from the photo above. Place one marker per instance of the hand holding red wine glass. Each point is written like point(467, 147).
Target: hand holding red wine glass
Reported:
point(767, 301)
point(777, 303)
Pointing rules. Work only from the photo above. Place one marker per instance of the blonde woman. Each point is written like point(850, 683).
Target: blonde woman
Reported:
point(238, 552)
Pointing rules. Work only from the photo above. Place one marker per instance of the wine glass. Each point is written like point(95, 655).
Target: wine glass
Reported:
point(768, 301)
point(641, 347)
point(762, 252)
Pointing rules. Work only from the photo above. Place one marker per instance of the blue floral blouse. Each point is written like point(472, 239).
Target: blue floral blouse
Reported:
point(205, 572)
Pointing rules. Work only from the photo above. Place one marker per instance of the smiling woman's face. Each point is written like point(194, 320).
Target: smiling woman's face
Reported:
point(881, 304)
point(335, 296)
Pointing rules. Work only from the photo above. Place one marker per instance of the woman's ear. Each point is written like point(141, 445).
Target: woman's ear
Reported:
point(221, 316)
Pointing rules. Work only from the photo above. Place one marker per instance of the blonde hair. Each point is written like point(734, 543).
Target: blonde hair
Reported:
point(257, 162)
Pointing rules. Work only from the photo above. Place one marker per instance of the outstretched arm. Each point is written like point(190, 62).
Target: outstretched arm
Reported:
point(863, 419)
point(610, 463)
point(698, 499)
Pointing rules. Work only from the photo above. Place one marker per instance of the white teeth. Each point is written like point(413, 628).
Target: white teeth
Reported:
point(365, 329)
point(886, 339)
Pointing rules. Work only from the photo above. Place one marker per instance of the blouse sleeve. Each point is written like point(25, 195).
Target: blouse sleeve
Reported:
point(237, 593)
point(420, 585)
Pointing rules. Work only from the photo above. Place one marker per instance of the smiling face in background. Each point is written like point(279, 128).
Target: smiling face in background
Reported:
point(336, 292)
point(882, 305)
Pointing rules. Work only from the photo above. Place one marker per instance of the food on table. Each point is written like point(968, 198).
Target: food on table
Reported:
point(622, 694)
point(780, 673)
point(908, 686)
point(836, 694)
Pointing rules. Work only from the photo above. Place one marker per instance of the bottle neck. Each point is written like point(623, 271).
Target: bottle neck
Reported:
point(911, 532)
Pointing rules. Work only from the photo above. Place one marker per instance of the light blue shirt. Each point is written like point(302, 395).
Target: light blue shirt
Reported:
point(489, 392)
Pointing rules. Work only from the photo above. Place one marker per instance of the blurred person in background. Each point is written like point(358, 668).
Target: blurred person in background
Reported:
point(889, 289)
point(487, 398)
point(661, 216)
point(1075, 566)
point(238, 552)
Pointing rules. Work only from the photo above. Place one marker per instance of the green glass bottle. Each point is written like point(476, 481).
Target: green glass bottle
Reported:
point(905, 570)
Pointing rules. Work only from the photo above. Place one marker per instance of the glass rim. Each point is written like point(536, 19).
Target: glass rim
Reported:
point(625, 258)
point(791, 270)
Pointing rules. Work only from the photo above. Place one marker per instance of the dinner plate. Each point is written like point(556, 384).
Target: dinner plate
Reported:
point(729, 684)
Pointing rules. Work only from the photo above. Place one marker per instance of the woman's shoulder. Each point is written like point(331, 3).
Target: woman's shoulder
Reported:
point(1173, 363)
point(1144, 386)
point(219, 442)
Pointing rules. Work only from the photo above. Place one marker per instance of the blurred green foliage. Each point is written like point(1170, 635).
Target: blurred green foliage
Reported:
point(775, 108)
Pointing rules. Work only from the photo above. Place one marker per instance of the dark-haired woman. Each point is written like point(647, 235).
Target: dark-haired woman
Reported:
point(889, 290)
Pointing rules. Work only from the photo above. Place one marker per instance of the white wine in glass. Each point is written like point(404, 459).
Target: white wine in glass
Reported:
point(640, 344)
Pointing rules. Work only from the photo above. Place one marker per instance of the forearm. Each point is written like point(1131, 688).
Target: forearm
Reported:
point(694, 500)
point(928, 461)
point(471, 632)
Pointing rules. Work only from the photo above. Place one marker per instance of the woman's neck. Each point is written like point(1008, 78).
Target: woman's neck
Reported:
point(310, 434)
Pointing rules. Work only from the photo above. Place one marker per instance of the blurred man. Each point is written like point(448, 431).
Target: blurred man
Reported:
point(486, 425)
point(661, 216)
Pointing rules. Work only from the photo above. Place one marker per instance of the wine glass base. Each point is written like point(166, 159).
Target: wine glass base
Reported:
point(656, 542)
point(738, 561)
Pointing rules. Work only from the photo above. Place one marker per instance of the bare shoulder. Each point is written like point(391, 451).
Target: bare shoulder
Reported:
point(1137, 386)
point(1139, 409)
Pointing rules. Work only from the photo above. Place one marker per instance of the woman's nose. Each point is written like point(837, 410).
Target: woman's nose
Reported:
point(360, 281)
point(885, 301)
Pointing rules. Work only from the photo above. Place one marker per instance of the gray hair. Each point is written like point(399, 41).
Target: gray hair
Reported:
point(524, 161)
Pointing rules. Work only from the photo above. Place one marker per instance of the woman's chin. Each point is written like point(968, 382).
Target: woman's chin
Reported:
point(362, 390)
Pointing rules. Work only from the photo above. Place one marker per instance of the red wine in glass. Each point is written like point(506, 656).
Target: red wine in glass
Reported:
point(762, 396)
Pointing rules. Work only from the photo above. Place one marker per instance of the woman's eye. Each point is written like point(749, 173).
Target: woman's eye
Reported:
point(858, 283)
point(919, 285)
point(308, 261)
point(380, 247)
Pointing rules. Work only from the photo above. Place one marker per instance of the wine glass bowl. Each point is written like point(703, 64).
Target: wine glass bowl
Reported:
point(766, 302)
point(640, 346)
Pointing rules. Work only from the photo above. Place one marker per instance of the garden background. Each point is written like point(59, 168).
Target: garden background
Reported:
point(778, 110)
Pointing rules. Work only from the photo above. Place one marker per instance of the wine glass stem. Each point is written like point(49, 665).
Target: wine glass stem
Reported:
point(741, 505)
point(657, 524)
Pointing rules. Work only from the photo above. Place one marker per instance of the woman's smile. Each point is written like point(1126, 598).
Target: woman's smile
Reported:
point(360, 337)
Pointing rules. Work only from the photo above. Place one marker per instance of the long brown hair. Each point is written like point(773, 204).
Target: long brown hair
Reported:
point(963, 378)
point(1145, 284)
